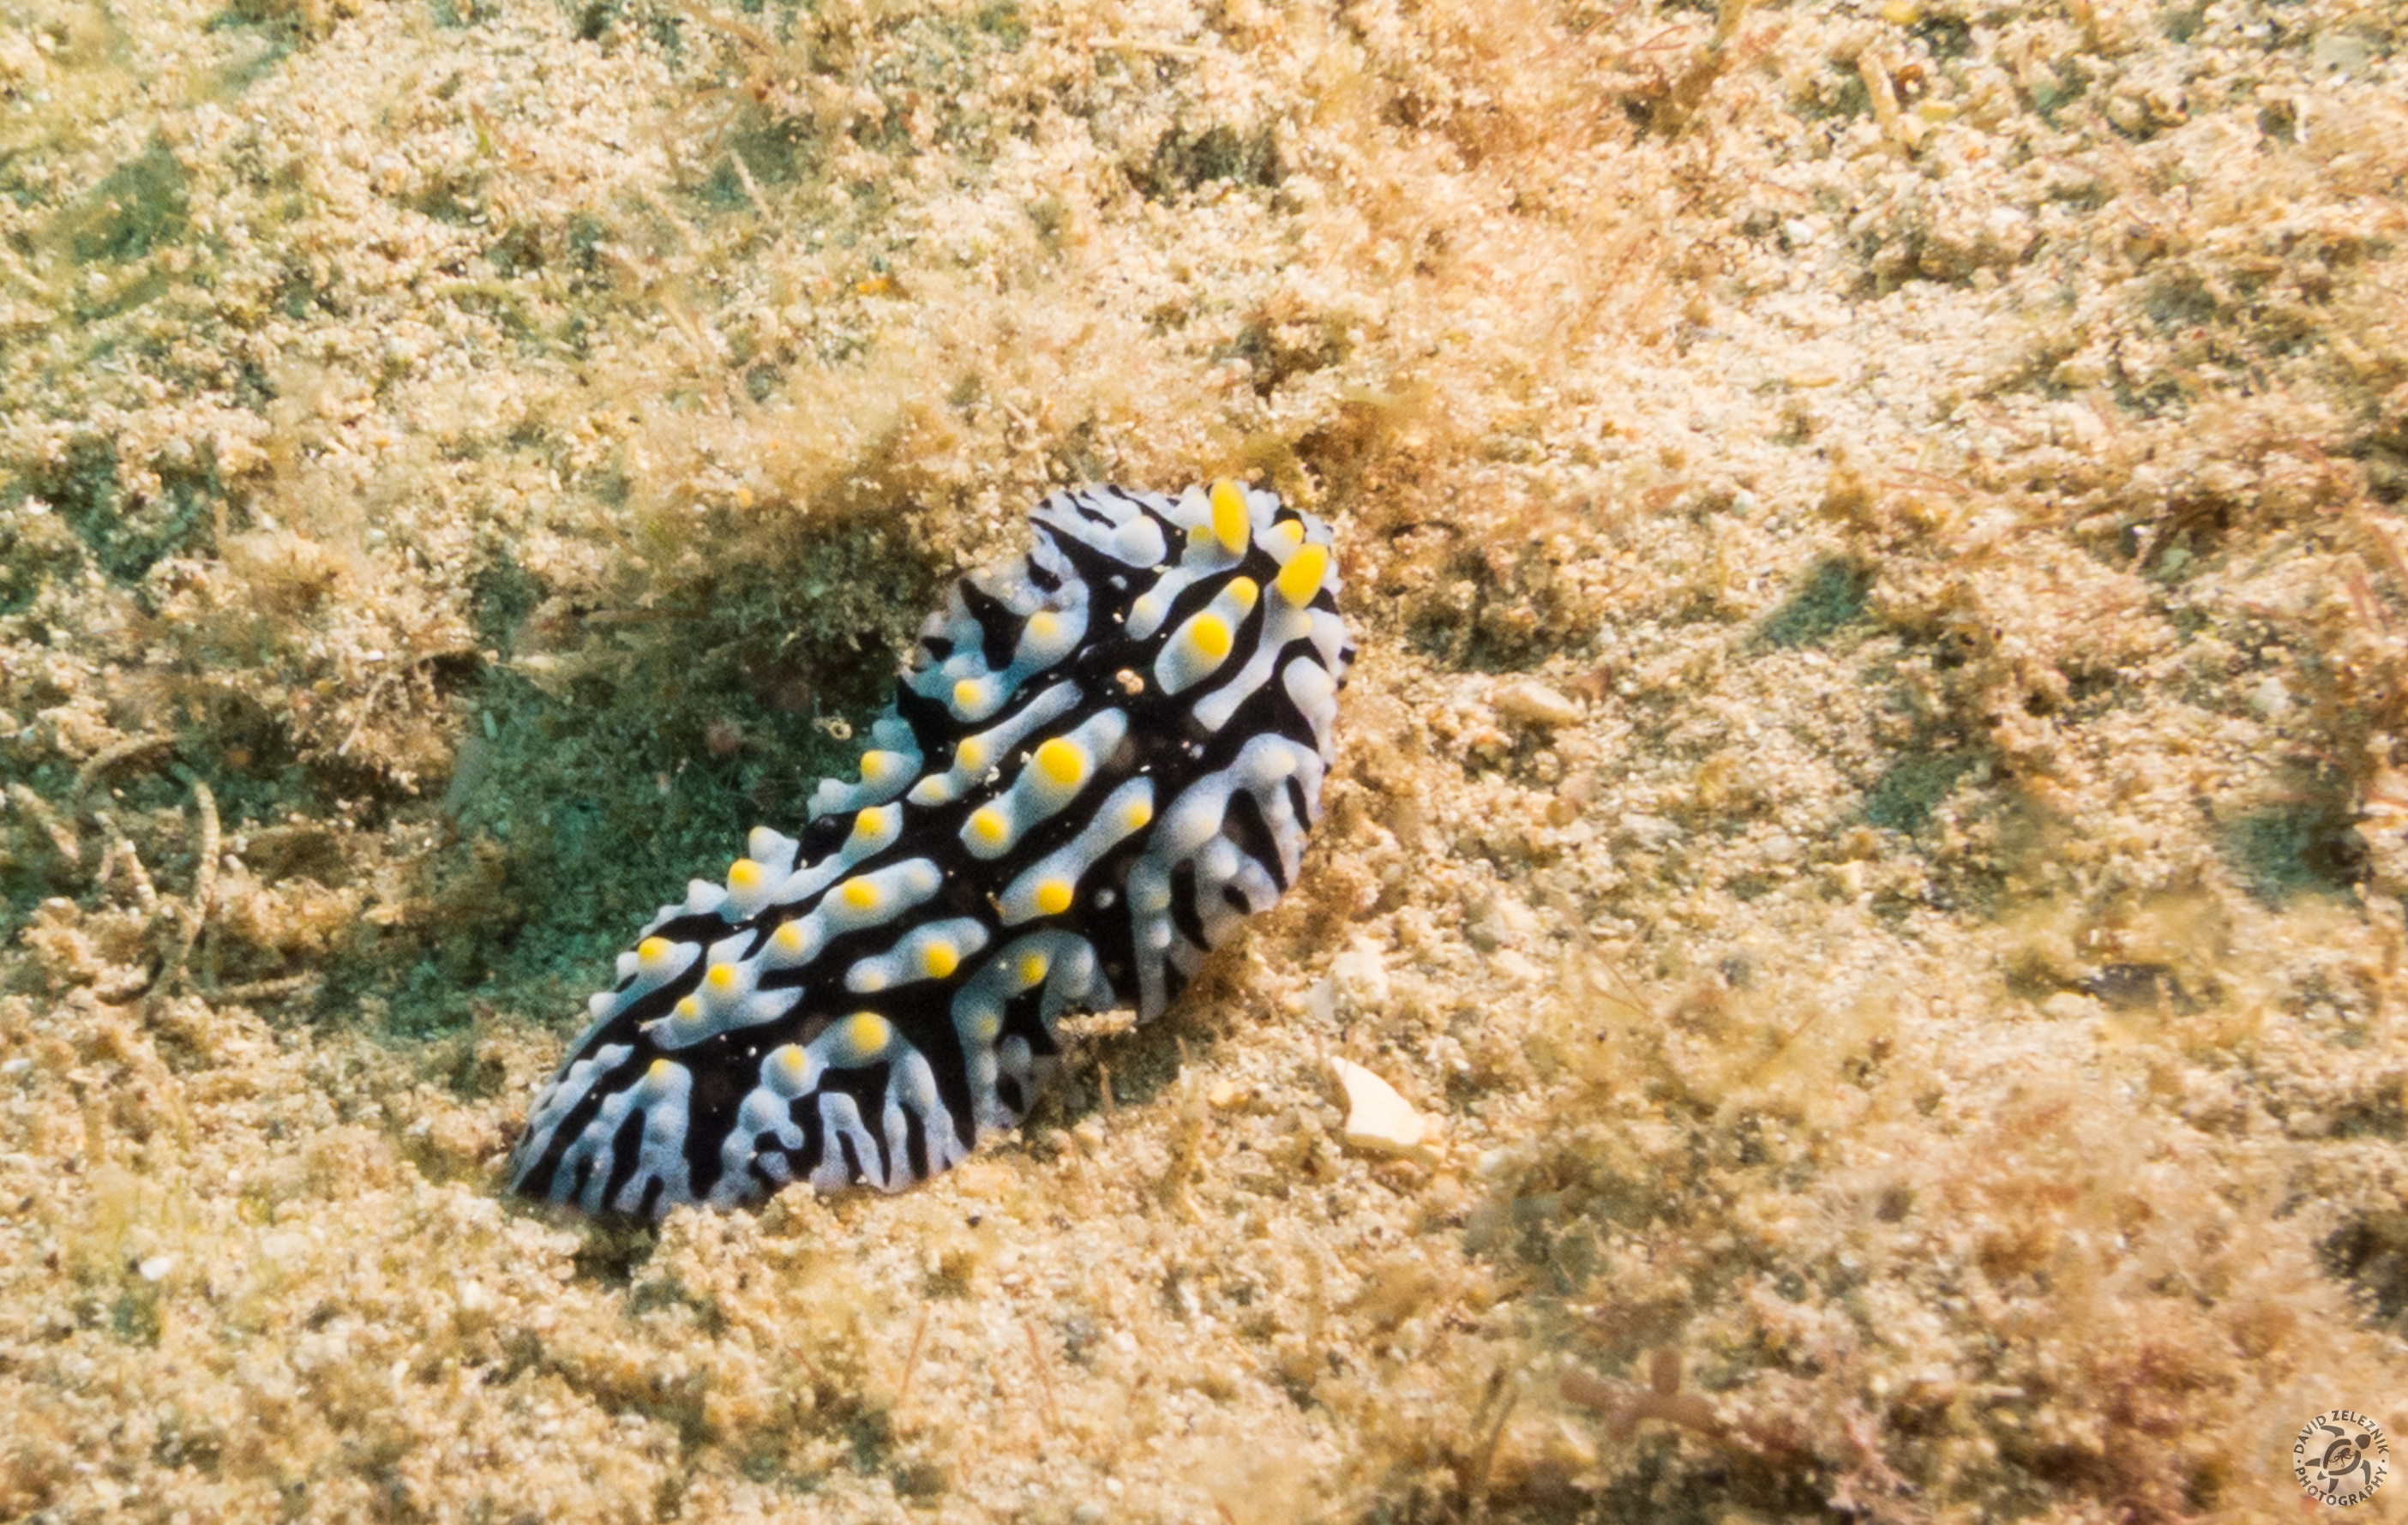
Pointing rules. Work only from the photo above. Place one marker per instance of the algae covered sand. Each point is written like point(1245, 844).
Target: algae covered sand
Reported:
point(1874, 810)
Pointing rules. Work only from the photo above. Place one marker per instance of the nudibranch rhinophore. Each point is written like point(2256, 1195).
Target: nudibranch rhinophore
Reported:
point(1101, 756)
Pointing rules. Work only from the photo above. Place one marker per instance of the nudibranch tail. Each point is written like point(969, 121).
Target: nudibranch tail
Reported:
point(1101, 757)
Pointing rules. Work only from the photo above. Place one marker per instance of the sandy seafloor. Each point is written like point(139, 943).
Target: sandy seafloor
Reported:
point(1873, 815)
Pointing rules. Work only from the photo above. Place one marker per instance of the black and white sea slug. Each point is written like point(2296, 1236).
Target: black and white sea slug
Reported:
point(1101, 757)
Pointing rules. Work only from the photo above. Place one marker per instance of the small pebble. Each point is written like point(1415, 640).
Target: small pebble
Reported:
point(1527, 699)
point(1377, 1118)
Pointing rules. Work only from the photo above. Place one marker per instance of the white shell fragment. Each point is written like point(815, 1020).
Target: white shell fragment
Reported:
point(1527, 699)
point(1378, 1120)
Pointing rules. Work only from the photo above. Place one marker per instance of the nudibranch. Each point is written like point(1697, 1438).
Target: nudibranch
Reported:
point(1101, 756)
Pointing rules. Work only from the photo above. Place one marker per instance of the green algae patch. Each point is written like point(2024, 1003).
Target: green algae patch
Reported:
point(136, 207)
point(1830, 599)
point(1908, 793)
point(621, 753)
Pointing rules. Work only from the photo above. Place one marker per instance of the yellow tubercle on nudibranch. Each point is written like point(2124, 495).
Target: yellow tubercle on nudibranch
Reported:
point(1101, 757)
point(788, 1069)
point(749, 884)
point(1210, 636)
point(864, 1036)
point(975, 698)
point(1231, 525)
point(1194, 652)
point(873, 829)
point(790, 942)
point(935, 789)
point(1065, 763)
point(1301, 578)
